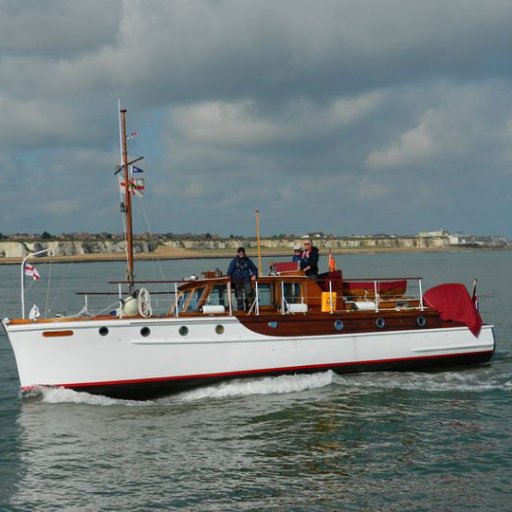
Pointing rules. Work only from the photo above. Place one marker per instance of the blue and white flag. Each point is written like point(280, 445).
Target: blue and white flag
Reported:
point(137, 170)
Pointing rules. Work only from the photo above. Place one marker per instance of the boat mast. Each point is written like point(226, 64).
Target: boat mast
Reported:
point(260, 268)
point(127, 202)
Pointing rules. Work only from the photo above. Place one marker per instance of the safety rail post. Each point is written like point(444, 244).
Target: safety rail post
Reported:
point(230, 302)
point(176, 302)
point(376, 296)
point(23, 278)
point(421, 294)
point(330, 298)
point(255, 302)
point(283, 301)
point(257, 299)
point(120, 299)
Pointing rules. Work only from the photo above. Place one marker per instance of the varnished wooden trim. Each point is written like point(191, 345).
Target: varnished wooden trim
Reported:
point(57, 334)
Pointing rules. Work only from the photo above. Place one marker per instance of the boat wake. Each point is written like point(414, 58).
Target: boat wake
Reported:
point(260, 386)
point(241, 387)
point(471, 380)
point(479, 380)
point(68, 396)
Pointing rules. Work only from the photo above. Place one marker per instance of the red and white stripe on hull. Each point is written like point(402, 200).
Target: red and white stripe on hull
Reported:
point(124, 363)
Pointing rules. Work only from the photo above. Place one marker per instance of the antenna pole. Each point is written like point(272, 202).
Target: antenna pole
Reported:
point(127, 202)
point(23, 277)
point(260, 268)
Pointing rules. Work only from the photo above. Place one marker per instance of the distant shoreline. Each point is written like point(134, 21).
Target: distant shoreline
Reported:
point(191, 254)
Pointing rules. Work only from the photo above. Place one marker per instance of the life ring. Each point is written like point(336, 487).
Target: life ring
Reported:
point(144, 303)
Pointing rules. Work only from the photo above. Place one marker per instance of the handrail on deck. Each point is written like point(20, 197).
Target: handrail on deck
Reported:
point(373, 300)
point(380, 279)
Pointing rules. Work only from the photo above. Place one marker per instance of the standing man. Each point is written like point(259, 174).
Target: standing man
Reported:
point(242, 271)
point(309, 262)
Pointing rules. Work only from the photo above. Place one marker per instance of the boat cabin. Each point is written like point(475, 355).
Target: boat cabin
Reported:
point(289, 292)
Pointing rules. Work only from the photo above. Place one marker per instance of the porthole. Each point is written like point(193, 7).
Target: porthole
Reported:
point(183, 330)
point(145, 331)
point(273, 325)
point(338, 325)
point(219, 329)
point(421, 321)
point(380, 323)
point(103, 331)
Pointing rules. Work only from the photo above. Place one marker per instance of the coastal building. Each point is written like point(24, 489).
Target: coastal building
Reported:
point(438, 233)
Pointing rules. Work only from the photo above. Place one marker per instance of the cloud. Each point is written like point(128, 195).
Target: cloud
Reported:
point(412, 147)
point(282, 105)
point(204, 51)
point(369, 190)
point(245, 124)
point(58, 29)
point(60, 207)
point(460, 121)
point(222, 123)
point(36, 123)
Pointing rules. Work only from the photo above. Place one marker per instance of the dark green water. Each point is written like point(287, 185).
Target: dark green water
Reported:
point(432, 441)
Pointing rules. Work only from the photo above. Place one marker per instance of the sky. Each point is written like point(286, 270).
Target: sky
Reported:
point(341, 116)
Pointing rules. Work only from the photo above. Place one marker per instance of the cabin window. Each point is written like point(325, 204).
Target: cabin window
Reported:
point(219, 295)
point(338, 325)
point(189, 300)
point(194, 299)
point(292, 293)
point(183, 298)
point(264, 294)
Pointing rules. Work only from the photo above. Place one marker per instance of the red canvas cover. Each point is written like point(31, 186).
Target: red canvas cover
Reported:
point(453, 302)
point(382, 286)
point(334, 277)
point(286, 266)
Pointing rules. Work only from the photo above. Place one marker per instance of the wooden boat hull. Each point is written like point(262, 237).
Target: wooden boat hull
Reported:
point(144, 358)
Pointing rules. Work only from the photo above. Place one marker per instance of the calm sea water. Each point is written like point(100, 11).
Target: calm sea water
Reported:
point(415, 441)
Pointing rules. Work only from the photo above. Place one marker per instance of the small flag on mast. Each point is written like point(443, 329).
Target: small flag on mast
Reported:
point(137, 170)
point(474, 296)
point(32, 272)
point(138, 186)
point(332, 262)
point(135, 185)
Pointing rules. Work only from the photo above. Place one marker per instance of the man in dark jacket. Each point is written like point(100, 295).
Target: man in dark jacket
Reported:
point(309, 262)
point(242, 271)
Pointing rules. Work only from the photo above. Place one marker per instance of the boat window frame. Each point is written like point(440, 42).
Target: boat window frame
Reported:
point(290, 284)
point(213, 290)
point(190, 294)
point(183, 299)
